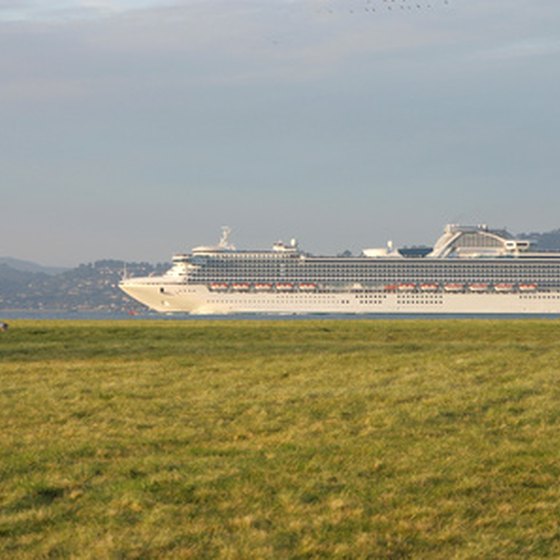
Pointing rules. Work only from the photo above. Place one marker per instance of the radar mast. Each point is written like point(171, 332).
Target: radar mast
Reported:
point(224, 239)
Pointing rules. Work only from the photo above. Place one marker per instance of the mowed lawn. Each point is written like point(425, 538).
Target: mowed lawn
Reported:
point(289, 439)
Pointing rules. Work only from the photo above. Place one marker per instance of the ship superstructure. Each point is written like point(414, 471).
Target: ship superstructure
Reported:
point(469, 270)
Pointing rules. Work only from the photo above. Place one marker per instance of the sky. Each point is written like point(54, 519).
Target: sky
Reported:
point(133, 129)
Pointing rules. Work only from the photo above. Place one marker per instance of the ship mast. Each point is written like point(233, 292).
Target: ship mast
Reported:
point(224, 239)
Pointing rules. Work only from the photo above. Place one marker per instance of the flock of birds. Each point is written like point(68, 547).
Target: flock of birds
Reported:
point(381, 5)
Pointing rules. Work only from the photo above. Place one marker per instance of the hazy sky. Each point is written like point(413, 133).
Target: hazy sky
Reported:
point(134, 128)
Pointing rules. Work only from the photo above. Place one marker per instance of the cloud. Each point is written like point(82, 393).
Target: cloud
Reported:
point(96, 49)
point(67, 10)
point(533, 47)
point(211, 42)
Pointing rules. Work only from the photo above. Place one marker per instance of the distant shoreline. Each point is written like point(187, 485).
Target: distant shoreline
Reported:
point(57, 314)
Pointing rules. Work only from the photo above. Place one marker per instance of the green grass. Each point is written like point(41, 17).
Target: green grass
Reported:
point(304, 439)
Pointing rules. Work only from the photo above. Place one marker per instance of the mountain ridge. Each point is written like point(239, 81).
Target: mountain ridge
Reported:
point(31, 266)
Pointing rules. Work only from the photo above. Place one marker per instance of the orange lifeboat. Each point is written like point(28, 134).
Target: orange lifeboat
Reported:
point(453, 287)
point(527, 287)
point(478, 287)
point(429, 287)
point(240, 287)
point(308, 287)
point(218, 286)
point(390, 288)
point(284, 286)
point(263, 287)
point(503, 287)
point(407, 287)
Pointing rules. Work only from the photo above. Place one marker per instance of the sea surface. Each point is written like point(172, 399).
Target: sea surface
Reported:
point(116, 316)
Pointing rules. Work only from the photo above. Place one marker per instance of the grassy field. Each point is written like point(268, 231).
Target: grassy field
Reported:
point(305, 439)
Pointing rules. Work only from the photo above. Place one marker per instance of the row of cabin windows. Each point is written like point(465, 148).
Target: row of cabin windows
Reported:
point(546, 271)
point(387, 269)
point(380, 277)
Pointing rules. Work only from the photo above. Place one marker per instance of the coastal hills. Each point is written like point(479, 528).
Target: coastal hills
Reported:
point(88, 287)
point(547, 241)
point(93, 286)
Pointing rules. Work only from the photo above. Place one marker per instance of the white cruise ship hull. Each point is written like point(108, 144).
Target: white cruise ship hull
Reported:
point(198, 299)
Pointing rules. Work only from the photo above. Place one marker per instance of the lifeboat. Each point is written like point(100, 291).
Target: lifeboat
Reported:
point(284, 286)
point(453, 287)
point(308, 287)
point(408, 287)
point(527, 287)
point(240, 287)
point(478, 287)
point(503, 287)
point(390, 288)
point(218, 286)
point(263, 287)
point(429, 287)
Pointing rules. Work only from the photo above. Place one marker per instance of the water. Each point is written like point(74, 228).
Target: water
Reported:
point(119, 316)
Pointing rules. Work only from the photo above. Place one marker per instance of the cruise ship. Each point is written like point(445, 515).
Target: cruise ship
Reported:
point(470, 269)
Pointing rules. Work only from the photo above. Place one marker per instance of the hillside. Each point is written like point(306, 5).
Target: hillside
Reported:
point(29, 266)
point(92, 286)
point(548, 241)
